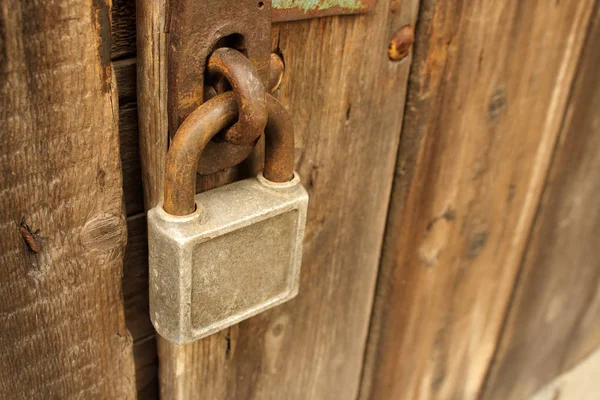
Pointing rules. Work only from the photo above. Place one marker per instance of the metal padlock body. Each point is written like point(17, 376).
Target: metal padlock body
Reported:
point(236, 258)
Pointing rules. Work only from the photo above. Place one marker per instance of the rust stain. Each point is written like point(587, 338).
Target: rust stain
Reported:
point(101, 19)
point(31, 238)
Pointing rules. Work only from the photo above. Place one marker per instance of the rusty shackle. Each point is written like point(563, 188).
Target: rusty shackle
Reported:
point(201, 126)
point(249, 90)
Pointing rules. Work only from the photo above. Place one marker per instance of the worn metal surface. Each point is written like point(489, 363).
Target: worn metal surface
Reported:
point(196, 29)
point(290, 10)
point(249, 92)
point(237, 256)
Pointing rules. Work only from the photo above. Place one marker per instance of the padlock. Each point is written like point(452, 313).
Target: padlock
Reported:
point(222, 256)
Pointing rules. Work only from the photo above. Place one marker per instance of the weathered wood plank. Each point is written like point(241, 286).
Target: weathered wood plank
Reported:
point(554, 319)
point(63, 330)
point(346, 98)
point(487, 92)
point(135, 265)
point(152, 96)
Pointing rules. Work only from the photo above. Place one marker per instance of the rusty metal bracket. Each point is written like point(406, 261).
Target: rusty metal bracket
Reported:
point(196, 29)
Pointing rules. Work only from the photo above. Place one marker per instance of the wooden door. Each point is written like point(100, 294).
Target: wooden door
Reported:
point(453, 217)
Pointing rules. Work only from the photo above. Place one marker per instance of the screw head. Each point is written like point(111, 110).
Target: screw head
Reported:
point(401, 43)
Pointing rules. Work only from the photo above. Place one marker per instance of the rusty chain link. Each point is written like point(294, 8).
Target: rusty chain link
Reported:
point(250, 97)
point(249, 92)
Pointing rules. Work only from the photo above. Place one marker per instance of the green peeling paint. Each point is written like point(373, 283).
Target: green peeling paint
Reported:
point(317, 4)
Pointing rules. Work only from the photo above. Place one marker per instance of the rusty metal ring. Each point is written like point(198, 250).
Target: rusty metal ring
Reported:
point(220, 155)
point(249, 90)
point(199, 128)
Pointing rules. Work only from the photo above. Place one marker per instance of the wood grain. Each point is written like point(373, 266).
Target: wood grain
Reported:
point(152, 96)
point(488, 89)
point(554, 317)
point(346, 98)
point(63, 330)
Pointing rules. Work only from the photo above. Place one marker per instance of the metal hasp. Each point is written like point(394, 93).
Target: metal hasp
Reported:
point(196, 29)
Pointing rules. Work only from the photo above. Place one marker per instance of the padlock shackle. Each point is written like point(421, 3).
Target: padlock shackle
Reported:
point(200, 127)
point(279, 143)
point(188, 143)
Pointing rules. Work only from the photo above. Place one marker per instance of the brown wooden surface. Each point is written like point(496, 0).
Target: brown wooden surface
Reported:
point(135, 268)
point(554, 318)
point(487, 93)
point(346, 98)
point(63, 329)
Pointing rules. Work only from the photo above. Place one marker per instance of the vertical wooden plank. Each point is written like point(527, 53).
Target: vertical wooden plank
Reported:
point(488, 89)
point(151, 50)
point(152, 96)
point(63, 331)
point(554, 318)
point(346, 98)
